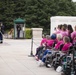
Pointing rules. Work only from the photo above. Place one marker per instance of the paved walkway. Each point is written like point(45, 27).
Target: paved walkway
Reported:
point(14, 59)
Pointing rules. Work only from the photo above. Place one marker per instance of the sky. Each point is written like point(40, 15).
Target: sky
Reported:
point(74, 0)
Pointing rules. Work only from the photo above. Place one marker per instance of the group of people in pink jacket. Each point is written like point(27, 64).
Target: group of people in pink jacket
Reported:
point(64, 34)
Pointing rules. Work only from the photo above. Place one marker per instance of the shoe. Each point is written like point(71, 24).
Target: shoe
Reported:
point(49, 65)
point(40, 63)
point(59, 69)
point(36, 58)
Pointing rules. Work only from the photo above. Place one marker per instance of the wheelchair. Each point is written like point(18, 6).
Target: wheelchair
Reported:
point(56, 61)
point(69, 68)
point(48, 59)
point(66, 65)
point(53, 58)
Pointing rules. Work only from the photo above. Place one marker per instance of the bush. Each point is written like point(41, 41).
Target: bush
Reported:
point(28, 33)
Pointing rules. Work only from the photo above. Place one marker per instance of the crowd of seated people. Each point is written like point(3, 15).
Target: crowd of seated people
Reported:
point(61, 40)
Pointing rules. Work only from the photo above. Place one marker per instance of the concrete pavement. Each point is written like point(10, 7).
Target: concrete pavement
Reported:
point(14, 59)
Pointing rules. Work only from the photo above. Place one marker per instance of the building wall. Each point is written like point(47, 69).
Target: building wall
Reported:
point(56, 20)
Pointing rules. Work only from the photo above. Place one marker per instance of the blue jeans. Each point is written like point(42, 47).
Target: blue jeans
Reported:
point(46, 52)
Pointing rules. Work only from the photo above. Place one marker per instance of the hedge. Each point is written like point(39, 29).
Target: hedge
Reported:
point(28, 33)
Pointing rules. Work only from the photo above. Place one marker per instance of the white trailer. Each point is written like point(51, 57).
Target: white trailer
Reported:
point(56, 20)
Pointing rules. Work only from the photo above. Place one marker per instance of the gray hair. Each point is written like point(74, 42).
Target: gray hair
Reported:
point(59, 36)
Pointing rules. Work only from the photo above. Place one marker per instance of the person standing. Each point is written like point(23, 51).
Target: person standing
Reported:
point(18, 30)
point(2, 28)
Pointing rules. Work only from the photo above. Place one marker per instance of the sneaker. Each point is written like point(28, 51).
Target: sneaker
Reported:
point(49, 65)
point(40, 63)
point(59, 69)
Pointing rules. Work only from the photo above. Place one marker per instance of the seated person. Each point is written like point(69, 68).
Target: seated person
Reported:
point(60, 42)
point(73, 35)
point(42, 47)
point(42, 44)
point(51, 41)
point(67, 44)
point(44, 39)
point(49, 46)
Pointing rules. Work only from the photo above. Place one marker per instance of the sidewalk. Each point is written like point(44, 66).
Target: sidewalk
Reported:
point(14, 59)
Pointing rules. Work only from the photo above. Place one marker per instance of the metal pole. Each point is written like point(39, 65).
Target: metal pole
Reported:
point(31, 53)
point(31, 48)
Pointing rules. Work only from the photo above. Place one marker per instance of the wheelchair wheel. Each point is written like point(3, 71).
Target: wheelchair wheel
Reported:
point(48, 62)
point(62, 73)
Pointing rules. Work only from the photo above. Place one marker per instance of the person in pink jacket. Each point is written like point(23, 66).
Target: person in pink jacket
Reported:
point(51, 41)
point(60, 41)
point(43, 41)
point(73, 35)
point(67, 44)
point(64, 31)
point(70, 30)
point(42, 46)
point(58, 29)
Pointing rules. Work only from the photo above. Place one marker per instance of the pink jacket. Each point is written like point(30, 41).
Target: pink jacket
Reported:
point(58, 44)
point(57, 31)
point(66, 46)
point(64, 33)
point(50, 43)
point(43, 41)
point(73, 36)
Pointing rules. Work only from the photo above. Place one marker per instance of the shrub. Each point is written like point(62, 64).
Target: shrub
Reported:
point(28, 33)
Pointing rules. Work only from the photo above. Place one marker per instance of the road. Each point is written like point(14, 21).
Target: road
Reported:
point(14, 59)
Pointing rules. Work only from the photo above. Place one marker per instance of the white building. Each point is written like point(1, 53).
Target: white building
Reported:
point(56, 20)
point(74, 0)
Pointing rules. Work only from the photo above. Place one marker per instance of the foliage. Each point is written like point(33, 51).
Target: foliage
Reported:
point(28, 34)
point(36, 13)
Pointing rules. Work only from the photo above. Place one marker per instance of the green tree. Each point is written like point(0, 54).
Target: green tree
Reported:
point(37, 13)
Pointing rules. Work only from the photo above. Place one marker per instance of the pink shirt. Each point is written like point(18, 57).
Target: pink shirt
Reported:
point(64, 33)
point(50, 43)
point(58, 44)
point(43, 41)
point(57, 31)
point(66, 46)
point(73, 36)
